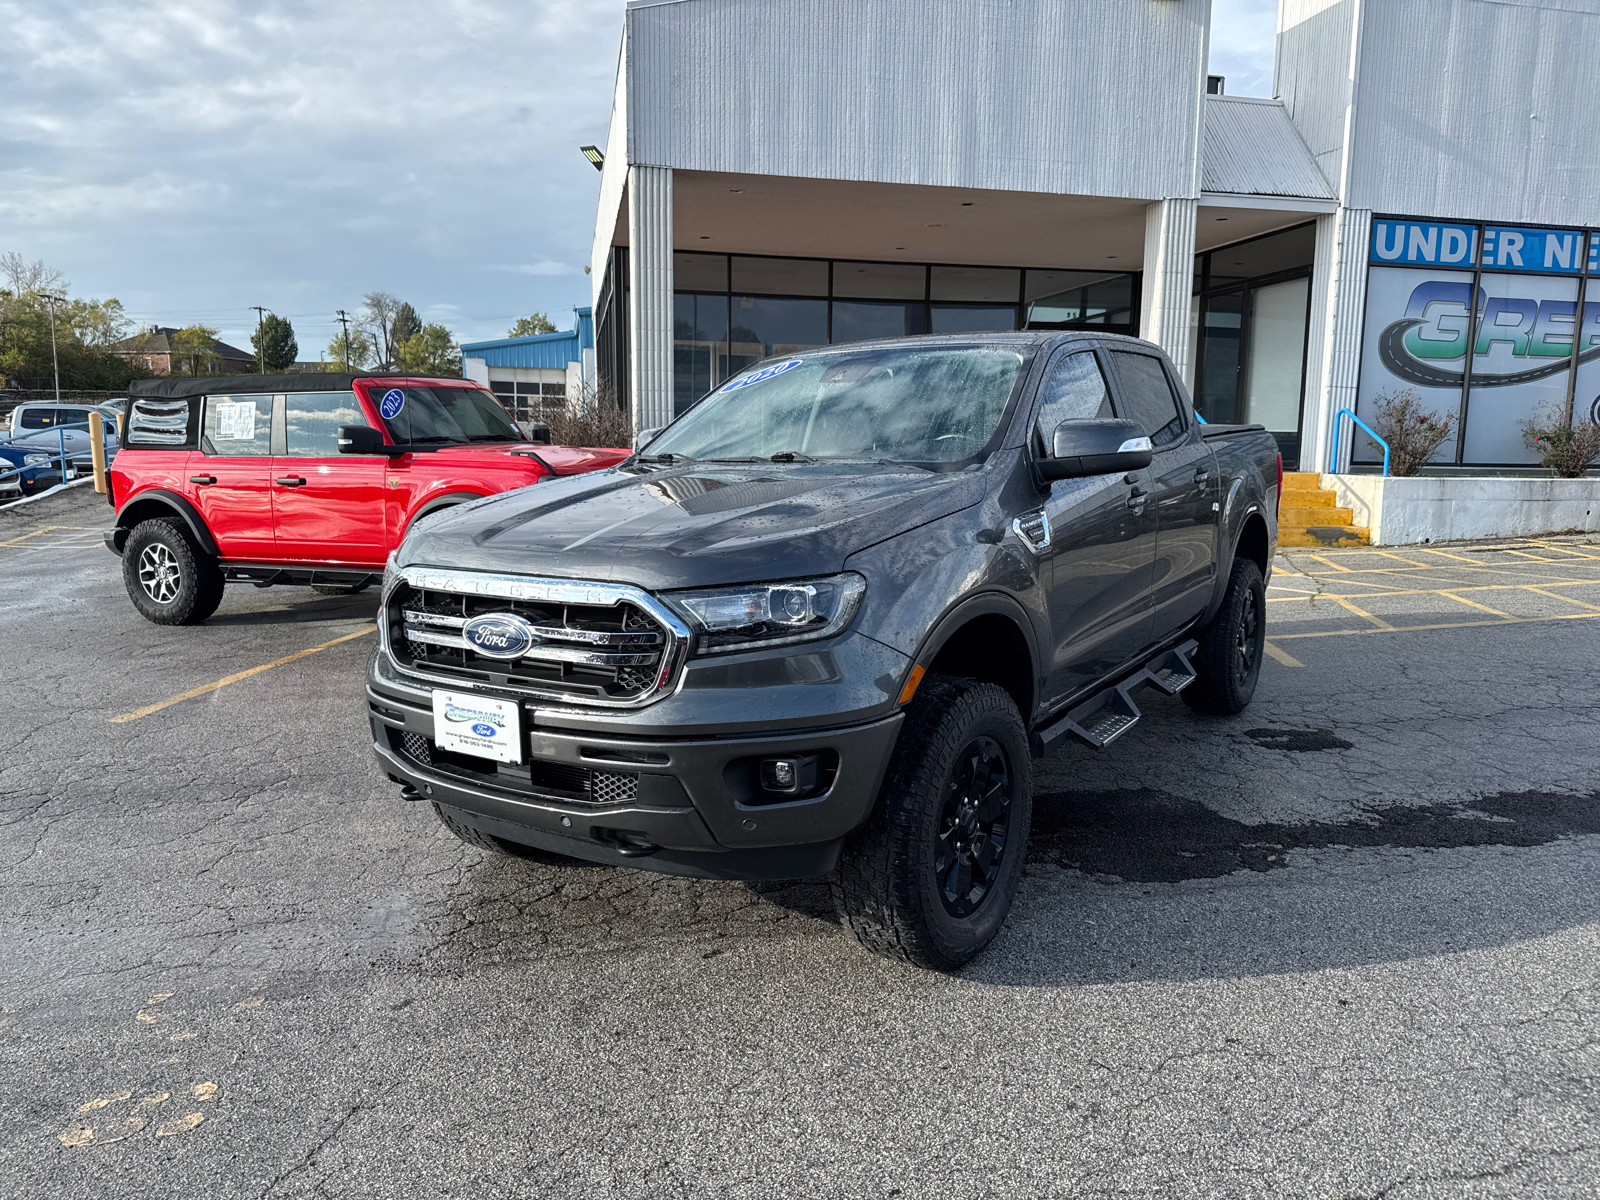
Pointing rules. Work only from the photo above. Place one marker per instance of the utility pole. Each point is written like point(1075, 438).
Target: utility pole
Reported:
point(345, 321)
point(53, 299)
point(261, 315)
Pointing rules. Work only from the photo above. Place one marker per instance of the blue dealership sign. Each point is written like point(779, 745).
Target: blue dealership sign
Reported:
point(1404, 243)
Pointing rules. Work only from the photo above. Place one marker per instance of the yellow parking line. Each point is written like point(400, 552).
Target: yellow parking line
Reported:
point(1330, 565)
point(17, 541)
point(1474, 604)
point(1583, 616)
point(1363, 613)
point(235, 678)
point(1559, 596)
point(1477, 587)
point(1283, 656)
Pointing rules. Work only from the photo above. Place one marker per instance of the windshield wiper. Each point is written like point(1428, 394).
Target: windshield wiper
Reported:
point(432, 437)
point(792, 456)
point(663, 459)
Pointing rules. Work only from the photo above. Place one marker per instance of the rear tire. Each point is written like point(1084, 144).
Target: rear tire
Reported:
point(930, 877)
point(1228, 663)
point(170, 580)
point(485, 841)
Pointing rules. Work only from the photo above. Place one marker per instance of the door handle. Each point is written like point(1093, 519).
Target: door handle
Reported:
point(1136, 498)
point(1202, 475)
point(202, 479)
point(290, 481)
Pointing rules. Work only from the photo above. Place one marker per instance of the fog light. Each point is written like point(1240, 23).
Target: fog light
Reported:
point(790, 776)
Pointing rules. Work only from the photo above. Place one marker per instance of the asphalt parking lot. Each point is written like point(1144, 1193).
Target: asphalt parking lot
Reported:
point(1344, 945)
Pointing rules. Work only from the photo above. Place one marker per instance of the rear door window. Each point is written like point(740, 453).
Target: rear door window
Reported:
point(237, 426)
point(159, 423)
point(311, 422)
point(40, 418)
point(1148, 398)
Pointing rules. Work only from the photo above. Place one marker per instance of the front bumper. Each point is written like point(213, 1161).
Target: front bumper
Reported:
point(687, 806)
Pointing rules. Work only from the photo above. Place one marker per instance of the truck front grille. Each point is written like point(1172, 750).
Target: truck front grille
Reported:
point(603, 644)
point(543, 778)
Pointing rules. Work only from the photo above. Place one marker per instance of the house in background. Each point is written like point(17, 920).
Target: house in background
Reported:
point(535, 376)
point(152, 351)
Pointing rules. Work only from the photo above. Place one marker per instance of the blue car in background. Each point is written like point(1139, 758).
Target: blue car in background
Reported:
point(39, 470)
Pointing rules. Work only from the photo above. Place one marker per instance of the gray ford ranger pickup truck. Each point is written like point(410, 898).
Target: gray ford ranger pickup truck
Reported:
point(823, 623)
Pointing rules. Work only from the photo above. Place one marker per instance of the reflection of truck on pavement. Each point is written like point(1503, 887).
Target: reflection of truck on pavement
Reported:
point(823, 623)
point(308, 479)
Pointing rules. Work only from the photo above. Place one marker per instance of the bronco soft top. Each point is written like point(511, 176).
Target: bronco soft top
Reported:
point(245, 385)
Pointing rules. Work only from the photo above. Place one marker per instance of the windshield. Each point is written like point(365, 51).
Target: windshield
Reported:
point(420, 414)
point(924, 405)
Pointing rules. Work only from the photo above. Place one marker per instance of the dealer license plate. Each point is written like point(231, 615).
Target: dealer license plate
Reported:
point(480, 725)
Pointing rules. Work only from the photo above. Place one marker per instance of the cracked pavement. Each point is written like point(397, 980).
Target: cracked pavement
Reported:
point(1343, 945)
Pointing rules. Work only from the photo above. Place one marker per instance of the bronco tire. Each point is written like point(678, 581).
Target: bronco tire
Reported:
point(930, 877)
point(170, 580)
point(1228, 663)
point(494, 845)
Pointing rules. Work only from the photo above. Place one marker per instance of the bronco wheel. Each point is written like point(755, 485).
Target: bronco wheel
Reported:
point(931, 876)
point(170, 580)
point(1228, 662)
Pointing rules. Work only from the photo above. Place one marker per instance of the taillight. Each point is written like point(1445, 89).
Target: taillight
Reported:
point(1279, 509)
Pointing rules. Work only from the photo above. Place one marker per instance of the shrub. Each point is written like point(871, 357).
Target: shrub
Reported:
point(592, 419)
point(1413, 433)
point(1568, 449)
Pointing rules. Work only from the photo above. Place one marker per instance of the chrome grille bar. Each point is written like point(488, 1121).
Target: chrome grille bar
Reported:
point(554, 654)
point(553, 633)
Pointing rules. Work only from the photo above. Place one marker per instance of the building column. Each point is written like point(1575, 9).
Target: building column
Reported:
point(650, 295)
point(1168, 278)
point(1333, 345)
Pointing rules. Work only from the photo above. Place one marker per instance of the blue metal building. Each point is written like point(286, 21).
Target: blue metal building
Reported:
point(536, 375)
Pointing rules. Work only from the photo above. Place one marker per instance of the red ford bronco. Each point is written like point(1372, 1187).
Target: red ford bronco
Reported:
point(303, 479)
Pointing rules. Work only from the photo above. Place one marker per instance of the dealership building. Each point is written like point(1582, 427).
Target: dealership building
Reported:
point(1415, 209)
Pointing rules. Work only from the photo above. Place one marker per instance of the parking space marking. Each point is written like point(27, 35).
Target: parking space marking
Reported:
point(1583, 616)
point(1558, 596)
point(1279, 655)
point(137, 713)
point(1474, 604)
point(20, 539)
point(1363, 613)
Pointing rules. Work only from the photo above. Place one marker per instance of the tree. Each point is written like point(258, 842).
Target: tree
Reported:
point(356, 355)
point(431, 351)
point(84, 334)
point(22, 276)
point(194, 350)
point(532, 326)
point(404, 325)
point(274, 343)
point(377, 318)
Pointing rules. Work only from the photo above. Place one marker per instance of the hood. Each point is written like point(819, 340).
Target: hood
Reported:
point(691, 526)
point(558, 460)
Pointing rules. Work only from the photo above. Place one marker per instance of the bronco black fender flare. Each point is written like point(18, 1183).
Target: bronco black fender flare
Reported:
point(985, 604)
point(157, 503)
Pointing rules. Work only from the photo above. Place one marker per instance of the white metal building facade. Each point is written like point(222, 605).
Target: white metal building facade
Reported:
point(788, 173)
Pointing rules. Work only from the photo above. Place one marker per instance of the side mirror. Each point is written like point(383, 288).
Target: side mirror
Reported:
point(363, 439)
point(1100, 447)
point(538, 433)
point(645, 436)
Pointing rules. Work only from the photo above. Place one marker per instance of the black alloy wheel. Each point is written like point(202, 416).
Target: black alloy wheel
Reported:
point(973, 828)
point(1228, 663)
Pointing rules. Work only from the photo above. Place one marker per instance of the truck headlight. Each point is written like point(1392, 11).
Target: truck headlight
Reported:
point(33, 460)
point(770, 614)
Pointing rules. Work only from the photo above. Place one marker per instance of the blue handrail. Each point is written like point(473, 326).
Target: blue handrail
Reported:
point(60, 457)
point(1333, 464)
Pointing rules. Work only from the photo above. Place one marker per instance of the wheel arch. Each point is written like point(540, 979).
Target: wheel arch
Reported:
point(448, 500)
point(988, 638)
point(154, 504)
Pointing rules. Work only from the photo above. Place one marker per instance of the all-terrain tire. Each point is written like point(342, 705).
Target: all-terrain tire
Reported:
point(494, 845)
point(898, 886)
point(170, 580)
point(1228, 663)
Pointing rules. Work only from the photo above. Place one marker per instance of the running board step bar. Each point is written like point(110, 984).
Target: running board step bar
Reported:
point(1103, 718)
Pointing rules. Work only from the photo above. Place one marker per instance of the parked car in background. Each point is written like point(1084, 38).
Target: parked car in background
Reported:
point(302, 479)
point(47, 426)
point(38, 471)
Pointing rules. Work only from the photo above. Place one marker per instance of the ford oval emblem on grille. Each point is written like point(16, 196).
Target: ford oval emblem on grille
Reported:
point(500, 635)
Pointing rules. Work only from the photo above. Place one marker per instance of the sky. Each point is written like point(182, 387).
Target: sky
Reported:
point(194, 158)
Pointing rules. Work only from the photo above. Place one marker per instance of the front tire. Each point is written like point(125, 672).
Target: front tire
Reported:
point(170, 580)
point(931, 876)
point(1228, 662)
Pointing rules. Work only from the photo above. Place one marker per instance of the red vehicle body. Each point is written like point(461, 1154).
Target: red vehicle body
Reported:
point(265, 480)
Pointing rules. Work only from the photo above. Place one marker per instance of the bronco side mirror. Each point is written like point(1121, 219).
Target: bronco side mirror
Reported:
point(363, 439)
point(1097, 447)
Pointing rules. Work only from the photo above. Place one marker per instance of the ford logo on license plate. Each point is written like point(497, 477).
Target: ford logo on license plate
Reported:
point(505, 636)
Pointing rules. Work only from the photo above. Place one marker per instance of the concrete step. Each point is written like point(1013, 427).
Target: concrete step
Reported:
point(1296, 481)
point(1323, 537)
point(1305, 498)
point(1315, 516)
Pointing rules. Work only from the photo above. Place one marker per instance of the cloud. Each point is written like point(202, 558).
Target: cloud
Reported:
point(1244, 36)
point(543, 267)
